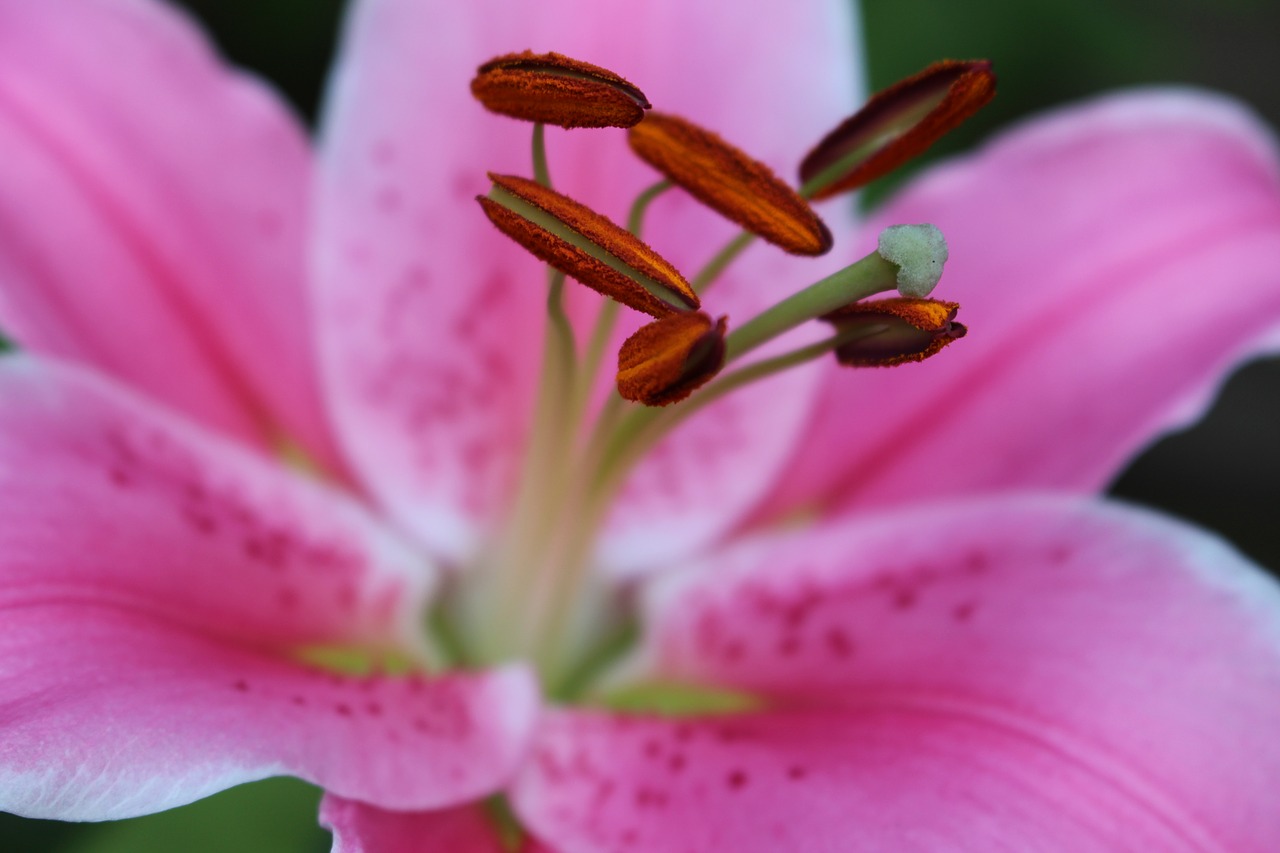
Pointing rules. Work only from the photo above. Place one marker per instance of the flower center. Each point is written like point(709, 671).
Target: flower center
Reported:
point(535, 592)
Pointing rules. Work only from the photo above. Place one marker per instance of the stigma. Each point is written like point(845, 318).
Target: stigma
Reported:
point(919, 251)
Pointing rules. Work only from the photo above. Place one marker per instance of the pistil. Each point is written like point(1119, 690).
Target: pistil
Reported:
point(869, 276)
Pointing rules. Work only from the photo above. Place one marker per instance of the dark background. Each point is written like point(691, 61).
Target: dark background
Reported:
point(1223, 474)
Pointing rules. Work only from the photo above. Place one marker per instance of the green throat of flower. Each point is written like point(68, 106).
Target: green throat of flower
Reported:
point(536, 592)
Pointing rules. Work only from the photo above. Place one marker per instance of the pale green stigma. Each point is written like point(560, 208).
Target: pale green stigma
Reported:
point(919, 252)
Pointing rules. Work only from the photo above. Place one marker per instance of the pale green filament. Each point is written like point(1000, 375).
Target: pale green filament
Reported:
point(720, 262)
point(541, 172)
point(502, 585)
point(608, 315)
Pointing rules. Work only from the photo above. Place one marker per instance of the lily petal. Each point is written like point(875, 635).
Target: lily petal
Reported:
point(160, 590)
point(358, 828)
point(431, 322)
point(1113, 261)
point(153, 201)
point(1025, 674)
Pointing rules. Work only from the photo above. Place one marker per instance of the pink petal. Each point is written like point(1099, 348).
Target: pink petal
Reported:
point(358, 828)
point(1112, 262)
point(157, 585)
point(884, 780)
point(151, 213)
point(214, 534)
point(110, 714)
point(1032, 674)
point(431, 321)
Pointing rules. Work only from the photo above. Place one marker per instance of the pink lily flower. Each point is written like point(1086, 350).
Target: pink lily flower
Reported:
point(955, 646)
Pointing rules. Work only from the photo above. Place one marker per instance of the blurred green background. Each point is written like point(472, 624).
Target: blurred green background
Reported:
point(1224, 474)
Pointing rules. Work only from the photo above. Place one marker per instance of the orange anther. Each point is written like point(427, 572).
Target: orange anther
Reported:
point(897, 330)
point(590, 248)
point(669, 359)
point(896, 125)
point(731, 183)
point(556, 89)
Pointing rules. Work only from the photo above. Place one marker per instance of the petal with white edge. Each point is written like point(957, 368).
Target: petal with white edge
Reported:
point(1031, 674)
point(160, 591)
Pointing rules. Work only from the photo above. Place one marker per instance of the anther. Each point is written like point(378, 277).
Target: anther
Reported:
point(555, 89)
point(669, 359)
point(896, 330)
point(731, 183)
point(587, 246)
point(896, 125)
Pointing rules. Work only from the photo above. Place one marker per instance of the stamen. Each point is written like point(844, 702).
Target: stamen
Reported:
point(558, 90)
point(899, 331)
point(534, 593)
point(731, 183)
point(587, 246)
point(669, 359)
point(896, 125)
